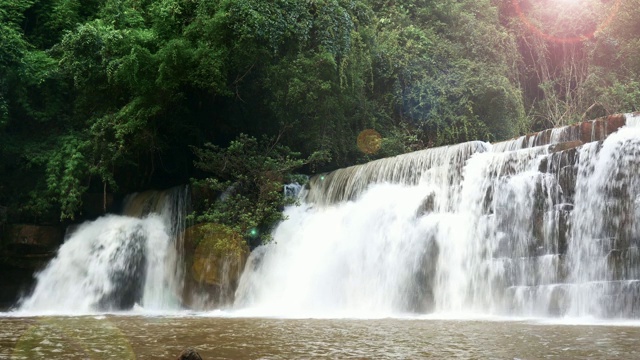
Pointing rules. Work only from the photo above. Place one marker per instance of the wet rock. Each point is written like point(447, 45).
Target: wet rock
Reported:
point(543, 138)
point(624, 264)
point(487, 202)
point(129, 280)
point(212, 274)
point(16, 282)
point(421, 293)
point(564, 230)
point(565, 146)
point(427, 206)
point(25, 249)
point(567, 177)
point(189, 354)
point(585, 131)
point(27, 238)
point(614, 122)
point(559, 301)
point(599, 129)
point(564, 207)
point(621, 299)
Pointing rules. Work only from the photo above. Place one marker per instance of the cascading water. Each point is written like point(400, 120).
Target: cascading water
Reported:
point(542, 225)
point(165, 270)
point(538, 226)
point(115, 262)
point(603, 256)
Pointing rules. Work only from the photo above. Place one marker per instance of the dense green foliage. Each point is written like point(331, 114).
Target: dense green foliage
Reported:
point(248, 175)
point(115, 95)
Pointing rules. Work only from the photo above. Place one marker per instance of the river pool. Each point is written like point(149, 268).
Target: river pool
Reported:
point(222, 337)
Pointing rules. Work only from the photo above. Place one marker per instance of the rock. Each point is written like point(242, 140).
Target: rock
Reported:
point(189, 354)
point(214, 258)
point(428, 205)
point(33, 238)
point(128, 281)
point(599, 129)
point(16, 282)
point(614, 122)
point(24, 249)
point(585, 132)
point(543, 137)
point(558, 301)
point(565, 146)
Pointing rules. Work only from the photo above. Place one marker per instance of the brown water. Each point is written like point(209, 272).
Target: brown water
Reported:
point(128, 337)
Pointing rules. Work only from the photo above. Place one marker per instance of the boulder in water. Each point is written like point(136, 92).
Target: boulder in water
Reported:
point(189, 354)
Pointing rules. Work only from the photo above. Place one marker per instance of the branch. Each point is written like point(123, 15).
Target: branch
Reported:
point(238, 79)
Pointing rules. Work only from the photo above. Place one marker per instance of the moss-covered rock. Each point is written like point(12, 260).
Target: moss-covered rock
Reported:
point(214, 259)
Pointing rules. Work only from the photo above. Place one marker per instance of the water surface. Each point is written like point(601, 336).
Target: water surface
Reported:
point(144, 337)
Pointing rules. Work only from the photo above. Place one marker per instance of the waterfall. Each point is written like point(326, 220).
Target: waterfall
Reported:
point(543, 225)
point(118, 261)
point(603, 256)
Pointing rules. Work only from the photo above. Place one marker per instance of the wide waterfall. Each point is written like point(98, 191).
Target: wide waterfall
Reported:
point(118, 261)
point(544, 225)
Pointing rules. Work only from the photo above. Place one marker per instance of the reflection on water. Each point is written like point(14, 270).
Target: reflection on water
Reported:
point(127, 337)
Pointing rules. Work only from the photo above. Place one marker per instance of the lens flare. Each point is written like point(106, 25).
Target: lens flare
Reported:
point(569, 39)
point(369, 141)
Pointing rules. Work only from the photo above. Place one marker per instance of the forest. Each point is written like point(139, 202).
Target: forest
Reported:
point(117, 96)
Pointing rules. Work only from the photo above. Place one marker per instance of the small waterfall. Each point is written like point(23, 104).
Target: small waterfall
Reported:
point(166, 263)
point(292, 190)
point(543, 225)
point(116, 262)
point(352, 229)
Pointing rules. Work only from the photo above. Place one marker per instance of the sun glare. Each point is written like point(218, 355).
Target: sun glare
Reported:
point(571, 4)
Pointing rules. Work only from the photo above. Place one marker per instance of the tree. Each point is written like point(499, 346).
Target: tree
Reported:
point(448, 69)
point(245, 185)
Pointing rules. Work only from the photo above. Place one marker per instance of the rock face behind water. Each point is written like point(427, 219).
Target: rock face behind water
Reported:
point(582, 253)
point(34, 238)
point(24, 249)
point(212, 275)
point(585, 132)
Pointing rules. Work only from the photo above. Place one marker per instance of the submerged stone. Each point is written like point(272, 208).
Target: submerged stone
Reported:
point(189, 354)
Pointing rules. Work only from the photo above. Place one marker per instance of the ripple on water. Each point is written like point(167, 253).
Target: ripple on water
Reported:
point(128, 337)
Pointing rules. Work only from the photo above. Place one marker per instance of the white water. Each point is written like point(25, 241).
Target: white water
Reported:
point(118, 262)
point(470, 230)
point(606, 224)
point(460, 231)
